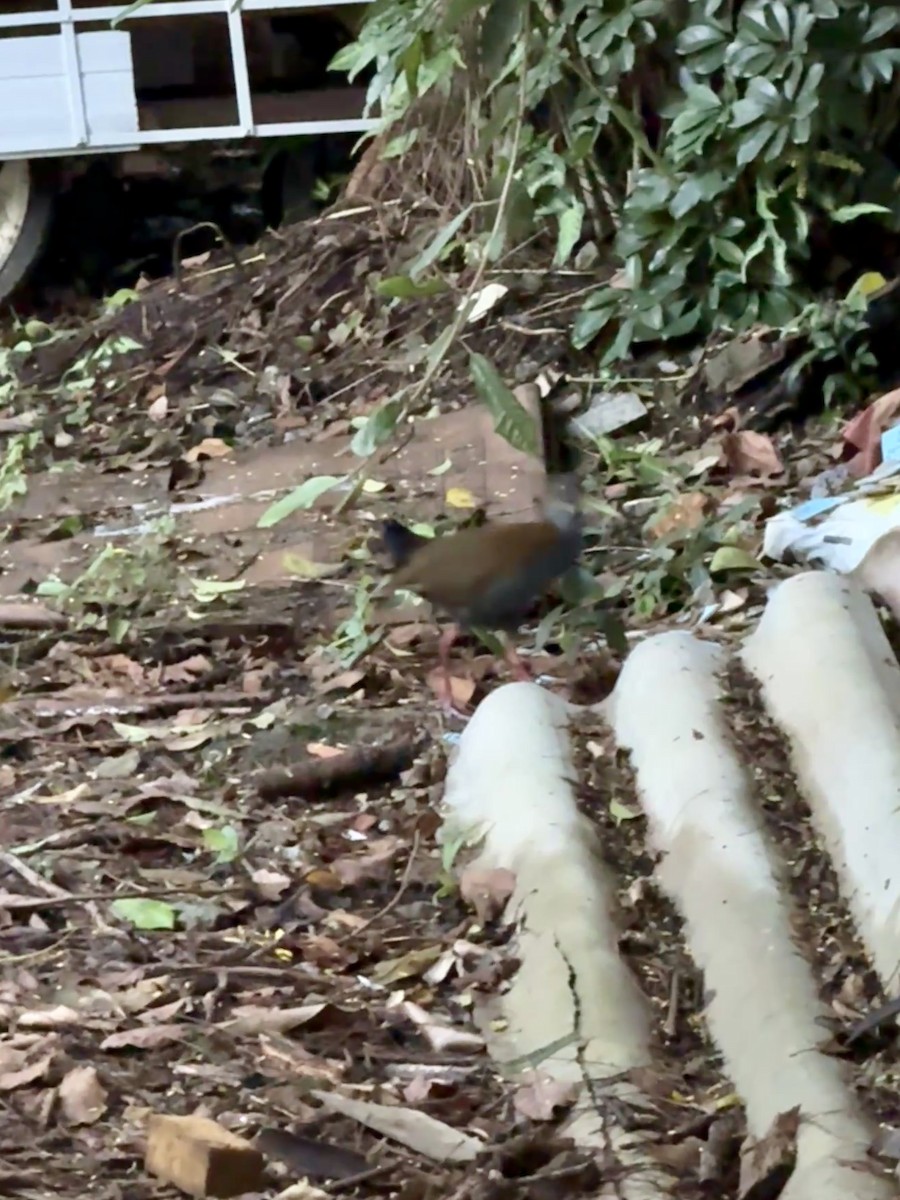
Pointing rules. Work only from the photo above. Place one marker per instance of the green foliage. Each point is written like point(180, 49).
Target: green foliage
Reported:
point(120, 583)
point(766, 110)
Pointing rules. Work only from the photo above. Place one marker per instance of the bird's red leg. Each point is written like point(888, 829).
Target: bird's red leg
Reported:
point(521, 670)
point(448, 637)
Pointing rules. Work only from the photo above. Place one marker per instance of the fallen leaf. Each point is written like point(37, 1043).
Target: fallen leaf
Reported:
point(158, 409)
point(57, 1017)
point(25, 1074)
point(150, 1037)
point(407, 966)
point(402, 636)
point(487, 889)
point(768, 1162)
point(685, 514)
point(120, 766)
point(863, 433)
point(416, 1130)
point(342, 682)
point(82, 1096)
point(750, 453)
point(540, 1096)
point(461, 690)
point(209, 448)
point(252, 1018)
point(309, 1157)
point(270, 884)
point(733, 558)
point(321, 750)
point(305, 568)
point(145, 914)
point(458, 497)
point(442, 1037)
point(355, 868)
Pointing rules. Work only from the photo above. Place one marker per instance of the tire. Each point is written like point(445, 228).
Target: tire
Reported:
point(26, 209)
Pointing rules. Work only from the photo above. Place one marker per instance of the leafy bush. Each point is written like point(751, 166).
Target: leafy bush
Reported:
point(702, 134)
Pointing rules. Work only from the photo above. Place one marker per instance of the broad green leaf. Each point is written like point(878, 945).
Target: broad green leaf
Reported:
point(224, 843)
point(456, 12)
point(304, 496)
point(733, 558)
point(849, 212)
point(570, 223)
point(377, 428)
point(499, 30)
point(439, 243)
point(513, 422)
point(401, 287)
point(145, 914)
point(206, 590)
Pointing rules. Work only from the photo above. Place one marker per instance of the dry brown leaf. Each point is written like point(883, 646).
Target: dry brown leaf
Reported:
point(321, 750)
point(416, 1130)
point(25, 1074)
point(252, 1018)
point(541, 1096)
point(158, 409)
point(148, 1038)
point(442, 1037)
point(187, 670)
point(209, 448)
point(57, 1017)
point(82, 1096)
point(685, 514)
point(342, 682)
point(487, 889)
point(270, 884)
point(768, 1162)
point(402, 636)
point(461, 690)
point(750, 453)
point(407, 966)
point(352, 869)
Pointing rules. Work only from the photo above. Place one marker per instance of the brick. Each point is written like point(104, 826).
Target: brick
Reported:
point(201, 1158)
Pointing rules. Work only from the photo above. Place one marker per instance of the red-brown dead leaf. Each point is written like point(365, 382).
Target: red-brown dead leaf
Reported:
point(685, 514)
point(82, 1096)
point(750, 453)
point(862, 433)
point(541, 1096)
point(352, 869)
point(487, 889)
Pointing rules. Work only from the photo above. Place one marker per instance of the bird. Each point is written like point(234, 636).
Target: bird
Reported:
point(491, 575)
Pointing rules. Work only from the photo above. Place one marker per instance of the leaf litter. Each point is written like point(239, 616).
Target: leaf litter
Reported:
point(221, 892)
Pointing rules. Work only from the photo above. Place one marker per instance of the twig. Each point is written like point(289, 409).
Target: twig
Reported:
point(51, 890)
point(395, 899)
point(410, 406)
point(343, 1185)
point(64, 899)
point(671, 1023)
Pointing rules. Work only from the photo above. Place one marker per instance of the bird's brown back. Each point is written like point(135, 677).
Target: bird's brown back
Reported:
point(492, 570)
